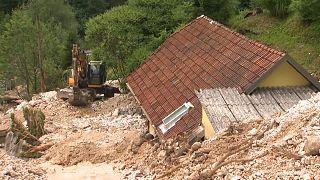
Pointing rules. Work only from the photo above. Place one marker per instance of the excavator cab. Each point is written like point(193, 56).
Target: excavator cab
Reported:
point(96, 74)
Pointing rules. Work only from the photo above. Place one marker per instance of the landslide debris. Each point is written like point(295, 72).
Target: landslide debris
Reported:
point(113, 133)
point(285, 146)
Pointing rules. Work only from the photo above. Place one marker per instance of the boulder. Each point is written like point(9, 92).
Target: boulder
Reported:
point(312, 146)
point(195, 146)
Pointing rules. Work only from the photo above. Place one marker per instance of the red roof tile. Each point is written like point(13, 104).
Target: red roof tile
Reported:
point(203, 54)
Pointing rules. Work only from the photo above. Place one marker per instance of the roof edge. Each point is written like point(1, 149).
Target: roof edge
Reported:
point(303, 72)
point(287, 58)
point(160, 46)
point(250, 89)
point(140, 104)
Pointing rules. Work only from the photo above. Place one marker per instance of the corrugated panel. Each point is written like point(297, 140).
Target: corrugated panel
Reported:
point(239, 105)
point(227, 104)
point(264, 103)
point(304, 92)
point(285, 97)
point(219, 116)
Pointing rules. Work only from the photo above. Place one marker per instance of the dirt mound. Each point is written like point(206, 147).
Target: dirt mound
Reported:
point(69, 155)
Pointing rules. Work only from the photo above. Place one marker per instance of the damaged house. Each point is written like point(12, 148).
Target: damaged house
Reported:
point(207, 74)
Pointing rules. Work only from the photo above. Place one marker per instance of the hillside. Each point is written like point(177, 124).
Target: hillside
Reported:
point(289, 34)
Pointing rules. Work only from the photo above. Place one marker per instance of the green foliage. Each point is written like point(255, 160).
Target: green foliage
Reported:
point(307, 9)
point(220, 10)
point(35, 121)
point(7, 6)
point(33, 32)
point(277, 8)
point(244, 4)
point(114, 36)
point(55, 13)
point(17, 58)
point(124, 36)
point(85, 9)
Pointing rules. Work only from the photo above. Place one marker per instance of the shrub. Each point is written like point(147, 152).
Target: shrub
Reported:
point(307, 9)
point(277, 8)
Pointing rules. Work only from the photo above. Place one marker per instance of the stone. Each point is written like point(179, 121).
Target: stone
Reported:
point(206, 173)
point(6, 173)
point(181, 151)
point(194, 176)
point(195, 146)
point(148, 136)
point(312, 146)
point(205, 150)
point(115, 113)
point(197, 167)
point(236, 178)
point(122, 167)
point(253, 132)
point(162, 154)
point(306, 176)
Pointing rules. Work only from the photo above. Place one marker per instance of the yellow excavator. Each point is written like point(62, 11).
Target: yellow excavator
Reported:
point(86, 79)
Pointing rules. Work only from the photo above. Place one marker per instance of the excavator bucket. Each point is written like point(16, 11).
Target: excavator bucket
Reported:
point(75, 96)
point(79, 97)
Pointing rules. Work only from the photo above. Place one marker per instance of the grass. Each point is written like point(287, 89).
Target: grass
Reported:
point(301, 41)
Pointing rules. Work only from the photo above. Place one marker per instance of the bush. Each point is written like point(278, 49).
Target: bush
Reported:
point(220, 10)
point(277, 8)
point(307, 9)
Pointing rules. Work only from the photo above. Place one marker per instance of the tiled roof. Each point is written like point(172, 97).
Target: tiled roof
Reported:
point(203, 54)
point(226, 105)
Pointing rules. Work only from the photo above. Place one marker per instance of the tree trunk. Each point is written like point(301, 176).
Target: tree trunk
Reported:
point(40, 58)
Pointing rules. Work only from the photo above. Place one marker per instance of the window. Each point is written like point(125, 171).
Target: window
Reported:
point(175, 116)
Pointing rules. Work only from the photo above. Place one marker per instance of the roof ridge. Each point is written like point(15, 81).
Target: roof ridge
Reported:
point(254, 42)
point(172, 34)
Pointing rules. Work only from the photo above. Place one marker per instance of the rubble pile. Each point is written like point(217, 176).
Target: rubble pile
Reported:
point(113, 133)
point(285, 146)
point(98, 133)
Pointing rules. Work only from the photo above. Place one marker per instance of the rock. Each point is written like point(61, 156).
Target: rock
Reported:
point(138, 141)
point(115, 113)
point(195, 146)
point(206, 173)
point(312, 145)
point(194, 176)
point(253, 132)
point(306, 160)
point(181, 151)
point(156, 146)
point(236, 178)
point(205, 150)
point(148, 136)
point(122, 167)
point(138, 174)
point(6, 173)
point(306, 176)
point(197, 167)
point(162, 154)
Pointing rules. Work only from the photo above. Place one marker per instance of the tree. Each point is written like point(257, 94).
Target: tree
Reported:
point(52, 13)
point(307, 9)
point(34, 44)
point(85, 9)
point(124, 36)
point(7, 6)
point(220, 10)
point(277, 8)
point(17, 57)
point(114, 36)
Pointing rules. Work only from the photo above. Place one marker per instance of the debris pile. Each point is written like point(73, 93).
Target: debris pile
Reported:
point(284, 146)
point(113, 133)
